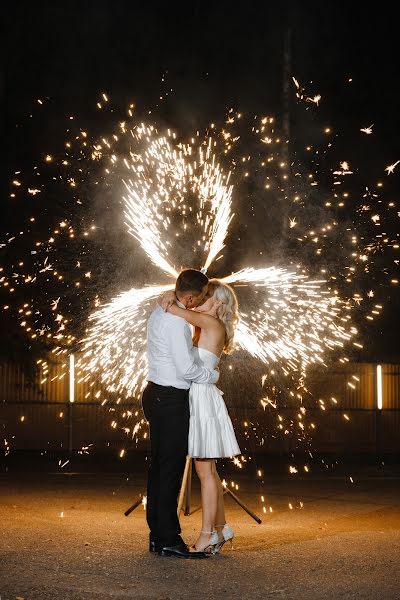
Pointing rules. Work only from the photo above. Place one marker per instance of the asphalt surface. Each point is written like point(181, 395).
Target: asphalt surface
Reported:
point(64, 535)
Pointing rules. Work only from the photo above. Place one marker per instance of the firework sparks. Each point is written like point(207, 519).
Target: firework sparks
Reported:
point(116, 342)
point(315, 99)
point(163, 178)
point(297, 320)
point(177, 204)
point(390, 169)
point(367, 130)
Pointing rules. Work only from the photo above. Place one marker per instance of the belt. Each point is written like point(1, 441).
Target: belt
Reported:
point(167, 387)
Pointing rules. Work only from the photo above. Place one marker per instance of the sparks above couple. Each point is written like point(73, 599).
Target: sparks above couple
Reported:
point(186, 411)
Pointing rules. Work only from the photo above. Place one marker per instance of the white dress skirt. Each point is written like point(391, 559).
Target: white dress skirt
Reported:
point(211, 433)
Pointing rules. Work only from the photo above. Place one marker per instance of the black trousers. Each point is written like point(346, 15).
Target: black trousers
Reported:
point(167, 411)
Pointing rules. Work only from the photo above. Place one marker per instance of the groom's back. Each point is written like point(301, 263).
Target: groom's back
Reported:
point(162, 329)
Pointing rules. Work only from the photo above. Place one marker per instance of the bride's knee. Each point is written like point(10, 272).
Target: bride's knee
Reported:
point(204, 469)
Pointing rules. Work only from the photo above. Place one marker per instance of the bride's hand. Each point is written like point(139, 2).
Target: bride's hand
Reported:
point(167, 299)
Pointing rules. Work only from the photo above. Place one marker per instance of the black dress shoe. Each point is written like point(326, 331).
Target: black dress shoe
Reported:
point(180, 551)
point(153, 547)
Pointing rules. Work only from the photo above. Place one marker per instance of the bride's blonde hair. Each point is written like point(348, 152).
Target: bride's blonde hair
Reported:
point(227, 312)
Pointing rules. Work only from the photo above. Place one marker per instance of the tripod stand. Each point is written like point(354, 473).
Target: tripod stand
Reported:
point(184, 498)
point(184, 501)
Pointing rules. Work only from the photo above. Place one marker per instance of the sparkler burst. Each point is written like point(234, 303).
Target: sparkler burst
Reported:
point(163, 181)
point(176, 200)
point(297, 320)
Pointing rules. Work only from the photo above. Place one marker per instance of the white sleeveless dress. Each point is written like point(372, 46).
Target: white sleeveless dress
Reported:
point(211, 433)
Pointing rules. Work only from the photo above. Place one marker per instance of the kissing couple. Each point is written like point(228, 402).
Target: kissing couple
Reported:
point(186, 335)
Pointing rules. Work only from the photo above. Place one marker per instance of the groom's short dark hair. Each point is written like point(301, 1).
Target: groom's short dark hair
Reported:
point(191, 280)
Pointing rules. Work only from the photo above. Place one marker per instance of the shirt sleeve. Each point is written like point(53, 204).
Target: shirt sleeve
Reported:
point(181, 348)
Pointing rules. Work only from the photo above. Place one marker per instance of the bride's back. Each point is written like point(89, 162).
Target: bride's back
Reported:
point(211, 338)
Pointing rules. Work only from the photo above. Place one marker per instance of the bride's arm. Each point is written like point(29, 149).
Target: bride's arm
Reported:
point(167, 299)
point(194, 318)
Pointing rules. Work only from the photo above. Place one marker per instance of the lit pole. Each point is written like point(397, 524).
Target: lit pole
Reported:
point(71, 397)
point(378, 407)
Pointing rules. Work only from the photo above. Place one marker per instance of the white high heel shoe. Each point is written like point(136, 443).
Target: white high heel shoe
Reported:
point(209, 549)
point(227, 536)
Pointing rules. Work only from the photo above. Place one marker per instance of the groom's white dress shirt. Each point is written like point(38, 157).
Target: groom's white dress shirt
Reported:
point(170, 352)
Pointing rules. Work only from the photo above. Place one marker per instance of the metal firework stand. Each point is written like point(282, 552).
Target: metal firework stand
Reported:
point(184, 499)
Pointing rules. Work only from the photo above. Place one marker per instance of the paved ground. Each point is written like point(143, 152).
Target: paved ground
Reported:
point(64, 536)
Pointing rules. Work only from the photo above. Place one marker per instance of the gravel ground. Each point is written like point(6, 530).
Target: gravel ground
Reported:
point(65, 536)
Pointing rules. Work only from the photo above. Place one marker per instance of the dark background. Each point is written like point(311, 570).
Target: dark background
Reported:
point(213, 56)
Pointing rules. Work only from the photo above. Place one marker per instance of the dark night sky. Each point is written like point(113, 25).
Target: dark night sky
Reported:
point(215, 55)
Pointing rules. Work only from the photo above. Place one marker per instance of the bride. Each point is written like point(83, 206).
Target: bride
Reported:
point(211, 433)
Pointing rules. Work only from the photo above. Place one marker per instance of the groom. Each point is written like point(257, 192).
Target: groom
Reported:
point(166, 407)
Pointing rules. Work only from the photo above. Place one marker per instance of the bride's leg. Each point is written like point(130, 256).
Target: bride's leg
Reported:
point(220, 514)
point(205, 468)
